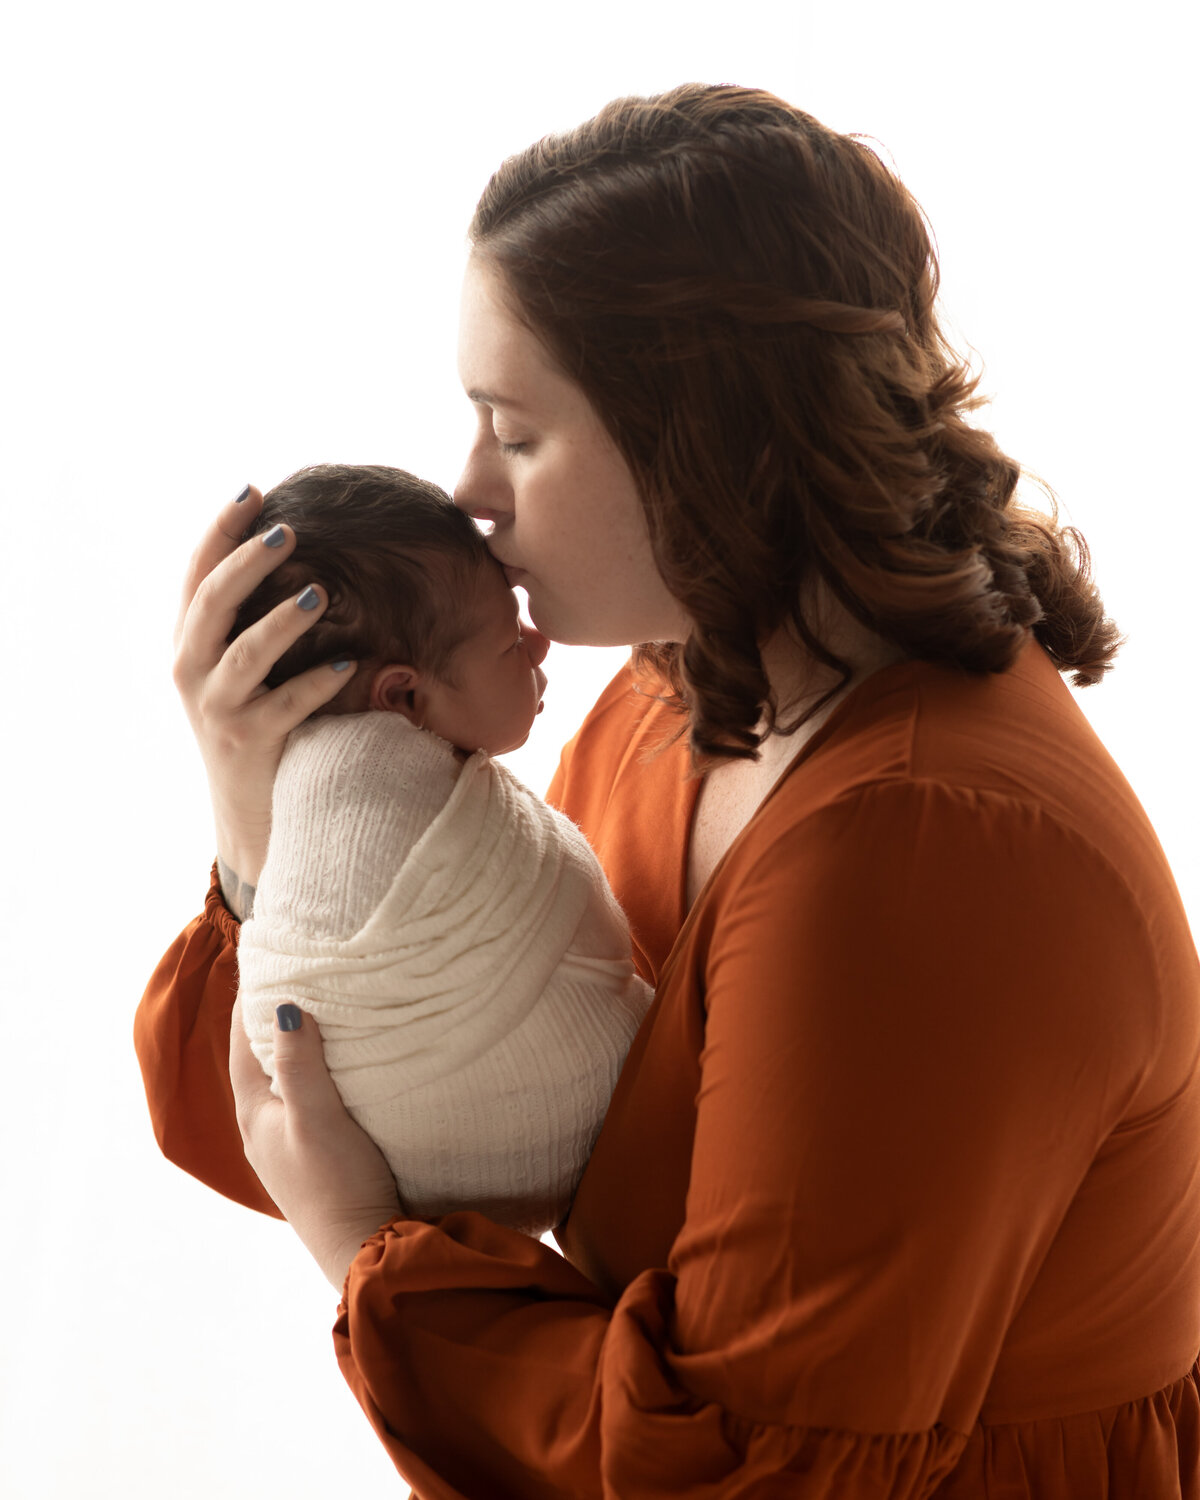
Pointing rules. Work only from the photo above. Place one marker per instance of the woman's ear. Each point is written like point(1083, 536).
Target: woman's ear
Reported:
point(394, 690)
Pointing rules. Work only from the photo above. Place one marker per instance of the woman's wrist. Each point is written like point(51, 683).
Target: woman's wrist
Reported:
point(237, 892)
point(240, 859)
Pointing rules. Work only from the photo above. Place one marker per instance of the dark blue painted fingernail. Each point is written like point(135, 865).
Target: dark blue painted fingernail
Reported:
point(309, 599)
point(339, 666)
point(245, 495)
point(288, 1016)
point(275, 537)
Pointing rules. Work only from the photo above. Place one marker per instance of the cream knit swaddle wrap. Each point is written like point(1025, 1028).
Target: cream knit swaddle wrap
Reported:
point(459, 945)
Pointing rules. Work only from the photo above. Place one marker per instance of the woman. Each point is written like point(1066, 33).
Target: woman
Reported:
point(897, 1195)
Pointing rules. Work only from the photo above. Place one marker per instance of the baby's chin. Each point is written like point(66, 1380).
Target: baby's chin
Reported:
point(514, 744)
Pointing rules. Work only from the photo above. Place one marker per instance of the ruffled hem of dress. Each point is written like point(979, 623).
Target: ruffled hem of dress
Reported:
point(1147, 1449)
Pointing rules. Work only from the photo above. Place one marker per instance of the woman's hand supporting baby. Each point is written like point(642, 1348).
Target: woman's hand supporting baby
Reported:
point(240, 724)
point(324, 1174)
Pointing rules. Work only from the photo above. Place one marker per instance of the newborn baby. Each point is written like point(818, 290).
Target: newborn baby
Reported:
point(453, 935)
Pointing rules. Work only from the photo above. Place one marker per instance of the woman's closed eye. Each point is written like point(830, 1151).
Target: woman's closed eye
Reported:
point(510, 449)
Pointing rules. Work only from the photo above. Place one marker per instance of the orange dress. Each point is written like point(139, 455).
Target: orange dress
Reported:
point(899, 1192)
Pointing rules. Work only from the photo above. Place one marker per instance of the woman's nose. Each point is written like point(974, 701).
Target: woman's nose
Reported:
point(464, 498)
point(481, 500)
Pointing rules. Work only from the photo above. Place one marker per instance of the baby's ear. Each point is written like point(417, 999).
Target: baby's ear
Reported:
point(393, 689)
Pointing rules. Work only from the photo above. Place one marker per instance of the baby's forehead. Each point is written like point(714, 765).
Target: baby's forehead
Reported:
point(493, 597)
point(490, 604)
point(459, 579)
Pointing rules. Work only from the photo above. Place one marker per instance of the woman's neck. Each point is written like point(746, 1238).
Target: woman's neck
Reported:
point(798, 679)
point(733, 791)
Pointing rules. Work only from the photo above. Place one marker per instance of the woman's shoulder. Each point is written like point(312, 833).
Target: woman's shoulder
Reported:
point(975, 753)
point(623, 780)
point(995, 793)
point(945, 848)
point(631, 743)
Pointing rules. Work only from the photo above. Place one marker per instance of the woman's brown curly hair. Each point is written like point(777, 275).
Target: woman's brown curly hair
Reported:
point(747, 298)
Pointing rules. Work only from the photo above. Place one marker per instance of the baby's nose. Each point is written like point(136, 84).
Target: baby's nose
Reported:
point(536, 644)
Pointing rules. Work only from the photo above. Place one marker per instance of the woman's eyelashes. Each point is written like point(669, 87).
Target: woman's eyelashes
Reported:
point(510, 449)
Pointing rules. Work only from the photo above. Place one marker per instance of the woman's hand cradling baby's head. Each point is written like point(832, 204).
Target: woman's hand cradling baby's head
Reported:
point(239, 724)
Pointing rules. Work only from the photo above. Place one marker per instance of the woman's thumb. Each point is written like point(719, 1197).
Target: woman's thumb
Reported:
point(300, 1070)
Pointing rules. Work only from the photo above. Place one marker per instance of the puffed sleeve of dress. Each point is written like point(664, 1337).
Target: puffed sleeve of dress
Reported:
point(181, 1035)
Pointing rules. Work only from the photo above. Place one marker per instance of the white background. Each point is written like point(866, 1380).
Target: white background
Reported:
point(233, 239)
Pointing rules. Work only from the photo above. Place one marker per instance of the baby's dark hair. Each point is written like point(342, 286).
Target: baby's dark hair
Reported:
point(399, 561)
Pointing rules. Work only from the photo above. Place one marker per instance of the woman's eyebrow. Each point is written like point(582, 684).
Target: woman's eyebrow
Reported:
point(493, 398)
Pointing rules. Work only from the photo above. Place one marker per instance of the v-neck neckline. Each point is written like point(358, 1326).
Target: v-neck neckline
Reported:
point(853, 699)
